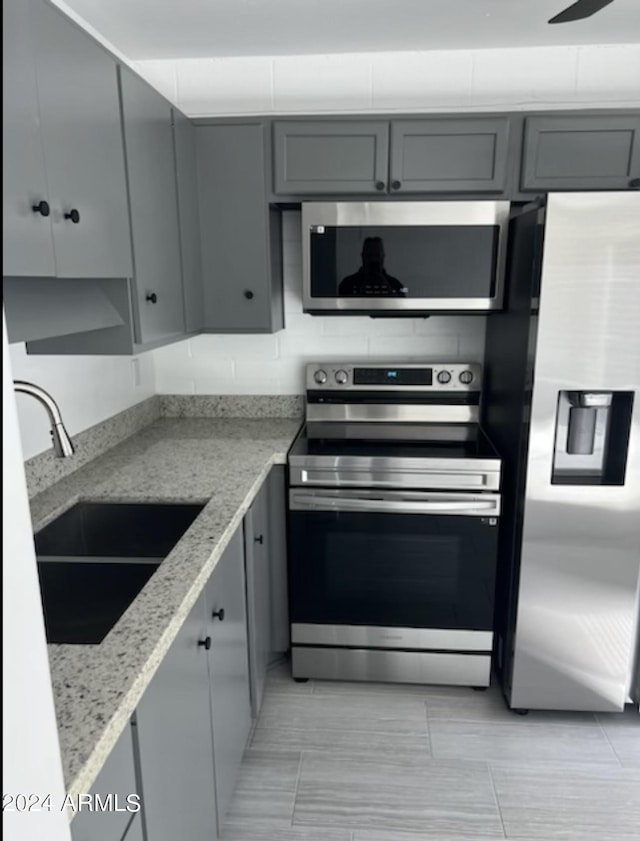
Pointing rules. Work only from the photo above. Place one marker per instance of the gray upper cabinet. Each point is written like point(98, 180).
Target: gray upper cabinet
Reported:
point(187, 185)
point(228, 670)
point(117, 781)
point(449, 156)
point(312, 158)
point(27, 242)
point(239, 232)
point(148, 134)
point(581, 153)
point(173, 733)
point(257, 565)
point(65, 202)
point(80, 124)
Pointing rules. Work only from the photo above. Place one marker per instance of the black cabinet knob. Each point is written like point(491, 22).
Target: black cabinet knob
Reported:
point(380, 185)
point(259, 539)
point(634, 184)
point(218, 614)
point(42, 208)
point(205, 643)
point(151, 297)
point(395, 185)
point(73, 216)
point(248, 294)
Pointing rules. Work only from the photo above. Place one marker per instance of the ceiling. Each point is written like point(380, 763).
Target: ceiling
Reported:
point(156, 29)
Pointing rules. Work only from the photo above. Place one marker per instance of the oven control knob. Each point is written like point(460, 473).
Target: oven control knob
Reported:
point(466, 377)
point(320, 377)
point(444, 377)
point(342, 377)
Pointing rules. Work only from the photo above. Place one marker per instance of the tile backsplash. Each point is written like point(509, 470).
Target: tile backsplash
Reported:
point(274, 364)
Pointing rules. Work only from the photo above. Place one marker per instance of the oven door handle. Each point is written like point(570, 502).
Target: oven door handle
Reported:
point(313, 502)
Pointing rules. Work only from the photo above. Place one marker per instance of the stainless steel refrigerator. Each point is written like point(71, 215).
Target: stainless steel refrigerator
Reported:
point(562, 403)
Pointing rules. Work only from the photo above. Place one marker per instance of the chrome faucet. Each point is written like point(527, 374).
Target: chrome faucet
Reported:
point(62, 444)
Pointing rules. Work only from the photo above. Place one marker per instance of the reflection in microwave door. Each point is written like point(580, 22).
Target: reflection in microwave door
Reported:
point(371, 280)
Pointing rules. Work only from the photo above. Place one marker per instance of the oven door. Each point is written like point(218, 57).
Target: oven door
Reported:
point(390, 569)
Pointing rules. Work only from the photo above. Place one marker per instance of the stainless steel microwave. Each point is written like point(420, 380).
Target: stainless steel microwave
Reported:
point(403, 258)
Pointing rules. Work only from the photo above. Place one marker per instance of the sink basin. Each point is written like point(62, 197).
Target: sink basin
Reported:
point(95, 558)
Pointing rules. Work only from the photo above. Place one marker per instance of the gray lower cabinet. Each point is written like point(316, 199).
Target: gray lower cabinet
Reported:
point(240, 234)
point(324, 156)
point(80, 124)
point(192, 723)
point(266, 570)
point(258, 571)
point(449, 156)
point(116, 780)
point(277, 500)
point(581, 153)
point(184, 135)
point(228, 670)
point(148, 136)
point(174, 740)
point(27, 239)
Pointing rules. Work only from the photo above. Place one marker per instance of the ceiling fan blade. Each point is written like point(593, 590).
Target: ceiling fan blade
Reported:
point(580, 10)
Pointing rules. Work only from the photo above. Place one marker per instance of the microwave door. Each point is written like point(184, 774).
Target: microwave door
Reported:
point(419, 260)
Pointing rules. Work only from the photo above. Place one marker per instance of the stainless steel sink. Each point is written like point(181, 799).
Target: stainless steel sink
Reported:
point(95, 558)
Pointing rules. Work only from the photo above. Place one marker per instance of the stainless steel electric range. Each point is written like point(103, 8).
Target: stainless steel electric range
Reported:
point(394, 507)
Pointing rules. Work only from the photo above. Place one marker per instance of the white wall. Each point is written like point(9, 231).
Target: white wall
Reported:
point(30, 751)
point(88, 389)
point(274, 364)
point(441, 80)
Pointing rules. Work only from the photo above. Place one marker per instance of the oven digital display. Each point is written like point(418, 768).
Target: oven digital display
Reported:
point(393, 376)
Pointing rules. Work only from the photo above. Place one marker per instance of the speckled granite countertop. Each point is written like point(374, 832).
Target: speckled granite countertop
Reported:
point(221, 462)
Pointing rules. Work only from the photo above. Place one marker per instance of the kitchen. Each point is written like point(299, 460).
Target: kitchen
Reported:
point(159, 418)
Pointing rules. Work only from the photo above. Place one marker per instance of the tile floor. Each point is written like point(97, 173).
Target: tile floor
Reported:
point(377, 762)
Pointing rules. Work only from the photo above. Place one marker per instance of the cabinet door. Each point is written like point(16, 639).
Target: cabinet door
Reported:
point(449, 156)
point(151, 174)
point(187, 180)
point(581, 153)
point(117, 778)
point(312, 158)
point(82, 140)
point(280, 628)
point(27, 244)
point(240, 275)
point(257, 566)
point(228, 670)
point(173, 731)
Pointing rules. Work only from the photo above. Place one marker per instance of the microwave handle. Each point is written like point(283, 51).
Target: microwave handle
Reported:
point(490, 506)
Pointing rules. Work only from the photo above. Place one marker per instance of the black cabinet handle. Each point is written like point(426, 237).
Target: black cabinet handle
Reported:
point(42, 208)
point(380, 185)
point(248, 294)
point(259, 539)
point(205, 643)
point(151, 297)
point(218, 614)
point(634, 184)
point(73, 216)
point(395, 185)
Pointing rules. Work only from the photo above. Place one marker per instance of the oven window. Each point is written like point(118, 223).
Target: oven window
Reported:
point(402, 570)
point(456, 261)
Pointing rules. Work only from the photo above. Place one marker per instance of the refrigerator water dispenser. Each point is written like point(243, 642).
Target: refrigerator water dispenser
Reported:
point(592, 437)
